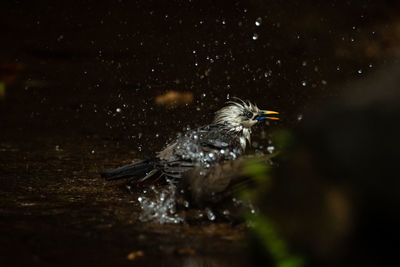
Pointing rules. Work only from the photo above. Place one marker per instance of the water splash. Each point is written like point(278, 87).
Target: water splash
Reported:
point(160, 206)
point(210, 214)
point(258, 21)
point(192, 151)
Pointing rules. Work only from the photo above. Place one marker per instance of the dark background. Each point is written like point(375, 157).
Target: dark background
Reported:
point(67, 66)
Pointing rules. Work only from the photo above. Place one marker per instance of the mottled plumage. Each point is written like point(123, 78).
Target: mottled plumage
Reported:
point(223, 140)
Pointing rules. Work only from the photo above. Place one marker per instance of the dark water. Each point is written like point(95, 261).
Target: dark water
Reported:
point(78, 83)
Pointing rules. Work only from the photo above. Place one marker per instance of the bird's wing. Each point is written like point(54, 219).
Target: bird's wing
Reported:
point(203, 146)
point(216, 136)
point(210, 143)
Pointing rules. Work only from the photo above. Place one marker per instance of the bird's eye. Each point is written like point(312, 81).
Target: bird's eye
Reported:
point(249, 115)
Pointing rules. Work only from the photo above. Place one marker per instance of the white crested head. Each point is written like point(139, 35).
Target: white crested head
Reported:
point(240, 116)
point(237, 113)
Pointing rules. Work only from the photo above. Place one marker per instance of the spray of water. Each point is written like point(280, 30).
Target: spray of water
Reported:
point(160, 205)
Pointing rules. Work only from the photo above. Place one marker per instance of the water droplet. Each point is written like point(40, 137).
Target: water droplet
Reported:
point(255, 36)
point(118, 110)
point(304, 83)
point(268, 73)
point(360, 71)
point(270, 149)
point(210, 215)
point(258, 21)
point(299, 117)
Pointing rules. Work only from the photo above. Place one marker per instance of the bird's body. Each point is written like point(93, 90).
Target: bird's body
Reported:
point(223, 140)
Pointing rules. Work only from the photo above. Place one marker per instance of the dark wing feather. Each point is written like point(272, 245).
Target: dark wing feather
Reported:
point(204, 146)
point(135, 169)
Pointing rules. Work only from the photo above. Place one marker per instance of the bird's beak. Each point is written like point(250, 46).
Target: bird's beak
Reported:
point(264, 115)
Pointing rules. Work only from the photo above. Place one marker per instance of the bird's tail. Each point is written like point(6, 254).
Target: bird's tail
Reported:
point(141, 170)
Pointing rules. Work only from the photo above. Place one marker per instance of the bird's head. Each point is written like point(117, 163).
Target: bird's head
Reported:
point(239, 114)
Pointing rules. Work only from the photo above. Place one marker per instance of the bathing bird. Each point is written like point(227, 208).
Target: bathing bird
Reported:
point(225, 139)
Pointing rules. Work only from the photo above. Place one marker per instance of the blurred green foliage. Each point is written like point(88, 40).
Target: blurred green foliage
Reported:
point(265, 231)
point(268, 237)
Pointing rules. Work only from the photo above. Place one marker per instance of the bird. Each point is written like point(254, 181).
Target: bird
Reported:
point(224, 140)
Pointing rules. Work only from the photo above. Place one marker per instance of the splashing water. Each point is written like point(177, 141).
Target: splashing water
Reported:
point(160, 207)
